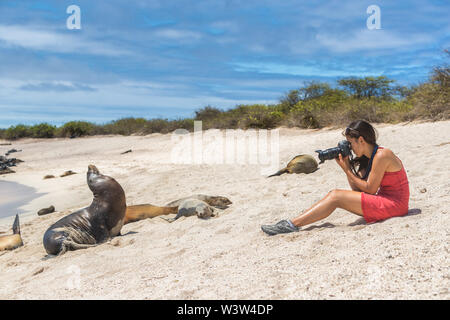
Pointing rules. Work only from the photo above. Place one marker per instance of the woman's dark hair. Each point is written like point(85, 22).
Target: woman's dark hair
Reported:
point(361, 128)
point(356, 129)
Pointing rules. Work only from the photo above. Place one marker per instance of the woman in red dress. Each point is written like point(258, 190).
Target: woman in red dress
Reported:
point(379, 191)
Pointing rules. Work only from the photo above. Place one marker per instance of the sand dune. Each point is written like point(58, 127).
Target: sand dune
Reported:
point(229, 257)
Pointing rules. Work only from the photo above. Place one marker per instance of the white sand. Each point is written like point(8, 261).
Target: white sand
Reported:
point(229, 257)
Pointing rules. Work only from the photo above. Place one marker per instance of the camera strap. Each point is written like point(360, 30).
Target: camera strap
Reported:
point(369, 165)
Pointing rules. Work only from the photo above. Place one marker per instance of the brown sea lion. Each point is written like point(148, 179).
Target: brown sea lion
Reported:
point(144, 211)
point(87, 227)
point(13, 241)
point(303, 163)
point(67, 173)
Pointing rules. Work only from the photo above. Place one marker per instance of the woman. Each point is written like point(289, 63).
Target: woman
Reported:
point(379, 191)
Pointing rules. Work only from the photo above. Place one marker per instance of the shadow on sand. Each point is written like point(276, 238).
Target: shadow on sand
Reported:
point(362, 221)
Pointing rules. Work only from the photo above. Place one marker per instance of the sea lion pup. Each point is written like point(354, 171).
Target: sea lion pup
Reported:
point(190, 207)
point(214, 201)
point(13, 241)
point(303, 163)
point(95, 224)
point(144, 211)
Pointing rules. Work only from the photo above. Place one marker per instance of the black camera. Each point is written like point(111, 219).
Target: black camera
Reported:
point(343, 148)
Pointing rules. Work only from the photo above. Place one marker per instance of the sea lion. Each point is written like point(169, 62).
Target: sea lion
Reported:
point(303, 163)
point(13, 241)
point(215, 201)
point(144, 211)
point(48, 176)
point(67, 173)
point(12, 151)
point(95, 224)
point(46, 211)
point(190, 207)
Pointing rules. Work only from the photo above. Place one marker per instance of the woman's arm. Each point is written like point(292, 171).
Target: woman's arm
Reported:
point(360, 175)
point(379, 165)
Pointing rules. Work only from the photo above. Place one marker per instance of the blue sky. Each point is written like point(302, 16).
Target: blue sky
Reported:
point(169, 58)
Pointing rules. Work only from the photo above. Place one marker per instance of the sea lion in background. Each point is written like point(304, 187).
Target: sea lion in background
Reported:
point(46, 211)
point(144, 211)
point(190, 207)
point(13, 241)
point(67, 173)
point(303, 163)
point(95, 224)
point(215, 201)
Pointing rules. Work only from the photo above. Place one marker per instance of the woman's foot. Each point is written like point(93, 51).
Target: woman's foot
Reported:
point(284, 226)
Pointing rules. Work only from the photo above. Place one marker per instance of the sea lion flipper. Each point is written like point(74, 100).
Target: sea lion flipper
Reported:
point(279, 173)
point(16, 225)
point(72, 245)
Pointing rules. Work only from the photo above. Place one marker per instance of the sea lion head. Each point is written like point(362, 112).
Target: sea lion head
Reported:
point(96, 181)
point(204, 212)
point(103, 186)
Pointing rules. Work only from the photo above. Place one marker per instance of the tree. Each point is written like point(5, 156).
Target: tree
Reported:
point(207, 113)
point(314, 89)
point(368, 87)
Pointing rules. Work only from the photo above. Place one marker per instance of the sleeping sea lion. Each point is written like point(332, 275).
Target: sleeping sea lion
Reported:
point(190, 207)
point(46, 211)
point(303, 163)
point(13, 241)
point(95, 224)
point(144, 211)
point(67, 173)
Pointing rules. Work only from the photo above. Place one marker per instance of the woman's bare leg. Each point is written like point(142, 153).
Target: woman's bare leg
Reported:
point(345, 199)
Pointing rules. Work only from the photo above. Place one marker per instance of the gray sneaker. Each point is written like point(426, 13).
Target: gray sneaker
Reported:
point(281, 227)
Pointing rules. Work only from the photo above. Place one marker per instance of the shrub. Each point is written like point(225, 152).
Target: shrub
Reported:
point(17, 132)
point(43, 130)
point(75, 129)
point(126, 126)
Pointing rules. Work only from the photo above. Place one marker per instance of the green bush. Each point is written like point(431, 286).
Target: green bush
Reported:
point(126, 126)
point(43, 130)
point(75, 129)
point(17, 132)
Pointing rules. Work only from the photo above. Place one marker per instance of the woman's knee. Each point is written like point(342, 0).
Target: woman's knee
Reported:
point(335, 196)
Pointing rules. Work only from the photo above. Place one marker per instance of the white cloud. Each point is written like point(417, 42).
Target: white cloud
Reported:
point(175, 34)
point(301, 70)
point(69, 41)
point(371, 40)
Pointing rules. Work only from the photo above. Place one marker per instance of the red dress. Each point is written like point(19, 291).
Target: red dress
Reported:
point(391, 199)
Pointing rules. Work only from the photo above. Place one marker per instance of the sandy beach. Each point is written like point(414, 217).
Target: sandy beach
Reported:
point(229, 257)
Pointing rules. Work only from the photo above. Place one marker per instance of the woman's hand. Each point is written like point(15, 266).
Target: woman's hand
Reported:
point(344, 163)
